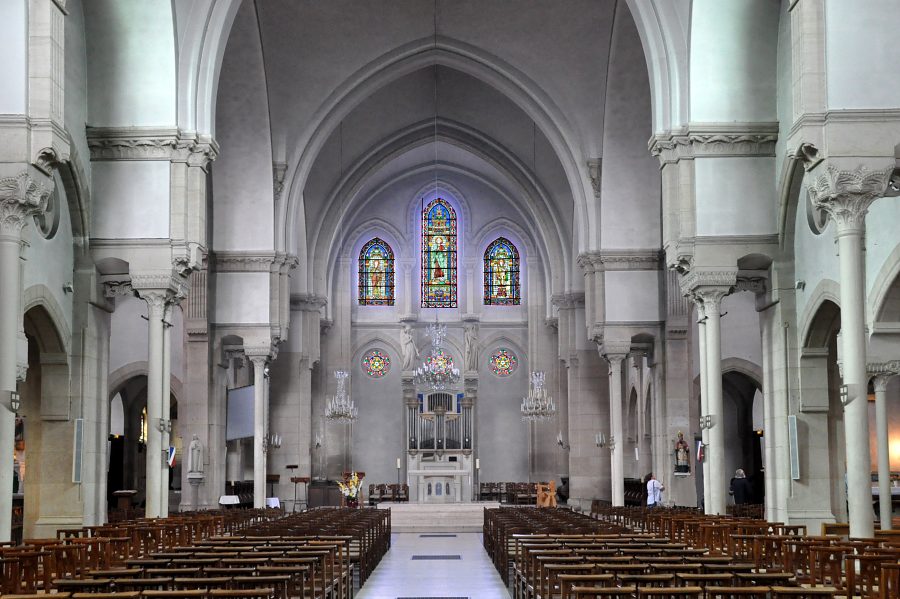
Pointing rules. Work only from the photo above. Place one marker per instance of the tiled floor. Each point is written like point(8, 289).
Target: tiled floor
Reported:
point(398, 575)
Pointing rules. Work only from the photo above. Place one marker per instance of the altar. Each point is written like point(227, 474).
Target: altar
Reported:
point(440, 482)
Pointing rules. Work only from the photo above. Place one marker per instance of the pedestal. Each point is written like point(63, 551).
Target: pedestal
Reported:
point(195, 479)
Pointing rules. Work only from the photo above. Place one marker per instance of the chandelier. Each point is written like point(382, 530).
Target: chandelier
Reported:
point(437, 371)
point(340, 406)
point(537, 405)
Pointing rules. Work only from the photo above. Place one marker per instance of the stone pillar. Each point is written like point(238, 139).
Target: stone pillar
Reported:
point(704, 396)
point(21, 197)
point(259, 358)
point(709, 287)
point(166, 421)
point(615, 355)
point(880, 382)
point(156, 305)
point(846, 196)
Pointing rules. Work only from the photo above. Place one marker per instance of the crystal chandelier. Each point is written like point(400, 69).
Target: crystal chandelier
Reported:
point(537, 405)
point(340, 406)
point(437, 370)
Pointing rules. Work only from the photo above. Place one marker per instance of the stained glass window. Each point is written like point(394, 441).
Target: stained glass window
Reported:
point(438, 255)
point(504, 362)
point(376, 363)
point(441, 358)
point(501, 274)
point(376, 274)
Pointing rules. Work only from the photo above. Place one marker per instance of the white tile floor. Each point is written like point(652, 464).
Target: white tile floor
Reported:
point(398, 575)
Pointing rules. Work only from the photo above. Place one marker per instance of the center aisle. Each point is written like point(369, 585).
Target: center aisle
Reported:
point(399, 575)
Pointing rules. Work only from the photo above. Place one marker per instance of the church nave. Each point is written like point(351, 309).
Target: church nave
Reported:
point(399, 575)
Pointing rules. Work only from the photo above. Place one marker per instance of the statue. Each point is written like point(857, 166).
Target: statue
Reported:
point(195, 456)
point(408, 346)
point(471, 339)
point(682, 456)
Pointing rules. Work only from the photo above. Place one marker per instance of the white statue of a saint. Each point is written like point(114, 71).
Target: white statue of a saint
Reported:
point(471, 339)
point(195, 455)
point(408, 346)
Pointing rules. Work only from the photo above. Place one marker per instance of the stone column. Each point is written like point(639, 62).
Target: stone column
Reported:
point(259, 358)
point(704, 396)
point(166, 421)
point(156, 305)
point(21, 197)
point(712, 301)
point(615, 355)
point(880, 382)
point(846, 196)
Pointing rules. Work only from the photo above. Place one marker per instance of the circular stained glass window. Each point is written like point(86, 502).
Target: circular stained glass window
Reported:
point(376, 363)
point(504, 362)
point(441, 359)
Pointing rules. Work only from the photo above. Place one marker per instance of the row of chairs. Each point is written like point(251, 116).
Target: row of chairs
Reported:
point(508, 492)
point(396, 493)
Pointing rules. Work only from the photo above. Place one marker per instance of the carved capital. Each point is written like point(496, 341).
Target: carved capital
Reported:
point(149, 143)
point(753, 284)
point(715, 139)
point(258, 354)
point(244, 261)
point(21, 198)
point(595, 170)
point(307, 302)
point(711, 282)
point(882, 372)
point(846, 195)
point(572, 299)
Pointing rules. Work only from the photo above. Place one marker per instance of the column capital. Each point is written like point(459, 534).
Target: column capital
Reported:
point(259, 353)
point(882, 372)
point(307, 302)
point(845, 195)
point(709, 286)
point(614, 351)
point(158, 289)
point(22, 196)
point(151, 143)
point(571, 299)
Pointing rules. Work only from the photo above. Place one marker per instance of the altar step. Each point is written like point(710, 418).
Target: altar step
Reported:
point(437, 518)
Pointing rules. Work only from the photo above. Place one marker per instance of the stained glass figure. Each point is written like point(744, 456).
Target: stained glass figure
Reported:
point(376, 274)
point(376, 363)
point(438, 255)
point(504, 362)
point(501, 274)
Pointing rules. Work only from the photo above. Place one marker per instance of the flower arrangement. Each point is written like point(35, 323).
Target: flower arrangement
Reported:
point(350, 489)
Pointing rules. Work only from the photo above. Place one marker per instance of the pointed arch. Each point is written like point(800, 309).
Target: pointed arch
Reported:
point(439, 255)
point(376, 273)
point(501, 274)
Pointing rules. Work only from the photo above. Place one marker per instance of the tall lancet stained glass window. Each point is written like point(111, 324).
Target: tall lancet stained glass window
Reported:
point(438, 255)
point(501, 274)
point(376, 274)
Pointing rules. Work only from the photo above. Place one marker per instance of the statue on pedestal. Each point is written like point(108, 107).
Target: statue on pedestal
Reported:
point(195, 456)
point(408, 347)
point(471, 339)
point(682, 456)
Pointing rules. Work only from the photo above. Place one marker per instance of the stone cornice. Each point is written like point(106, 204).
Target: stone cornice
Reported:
point(244, 261)
point(151, 143)
point(614, 350)
point(571, 299)
point(846, 195)
point(715, 139)
point(307, 302)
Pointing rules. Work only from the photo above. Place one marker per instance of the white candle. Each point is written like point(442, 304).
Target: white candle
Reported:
point(398, 463)
point(477, 464)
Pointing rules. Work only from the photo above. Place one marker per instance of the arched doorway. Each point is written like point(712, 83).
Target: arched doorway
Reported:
point(743, 403)
point(45, 432)
point(632, 432)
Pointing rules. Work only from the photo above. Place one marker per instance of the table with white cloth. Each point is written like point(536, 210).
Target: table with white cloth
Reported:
point(273, 502)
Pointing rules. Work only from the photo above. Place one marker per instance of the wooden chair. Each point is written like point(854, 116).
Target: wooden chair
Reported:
point(690, 579)
point(717, 592)
point(803, 592)
point(603, 592)
point(889, 585)
point(37, 596)
point(765, 579)
point(647, 580)
point(670, 592)
point(176, 594)
point(201, 583)
point(143, 584)
point(260, 593)
point(826, 564)
point(83, 585)
point(568, 581)
point(278, 582)
point(116, 595)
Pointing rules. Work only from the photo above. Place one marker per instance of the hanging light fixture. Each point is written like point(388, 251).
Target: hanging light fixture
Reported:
point(339, 406)
point(538, 404)
point(437, 370)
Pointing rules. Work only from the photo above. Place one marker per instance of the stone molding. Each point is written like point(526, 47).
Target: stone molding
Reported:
point(614, 350)
point(151, 143)
point(117, 288)
point(571, 299)
point(307, 302)
point(244, 261)
point(846, 195)
point(715, 140)
point(256, 353)
point(624, 259)
point(21, 198)
point(753, 284)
